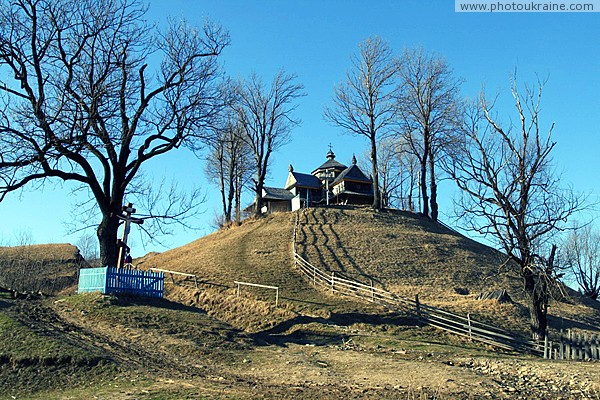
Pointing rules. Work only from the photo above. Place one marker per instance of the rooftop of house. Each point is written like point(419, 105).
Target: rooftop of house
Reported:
point(352, 173)
point(271, 193)
point(303, 180)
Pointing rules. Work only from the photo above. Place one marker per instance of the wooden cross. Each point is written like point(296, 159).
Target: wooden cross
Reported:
point(128, 210)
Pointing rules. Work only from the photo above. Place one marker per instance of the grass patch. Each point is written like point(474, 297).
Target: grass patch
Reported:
point(34, 358)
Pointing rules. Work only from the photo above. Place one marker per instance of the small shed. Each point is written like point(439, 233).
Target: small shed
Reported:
point(124, 280)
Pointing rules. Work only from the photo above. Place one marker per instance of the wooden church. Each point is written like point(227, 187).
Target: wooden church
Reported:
point(330, 183)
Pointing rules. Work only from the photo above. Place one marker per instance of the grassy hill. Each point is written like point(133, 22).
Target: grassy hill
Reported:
point(207, 343)
point(399, 251)
point(48, 268)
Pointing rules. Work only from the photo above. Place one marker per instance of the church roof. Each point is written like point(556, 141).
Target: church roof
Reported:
point(303, 180)
point(271, 193)
point(330, 164)
point(352, 173)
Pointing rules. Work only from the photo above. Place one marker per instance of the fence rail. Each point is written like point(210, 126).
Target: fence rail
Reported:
point(442, 319)
point(173, 273)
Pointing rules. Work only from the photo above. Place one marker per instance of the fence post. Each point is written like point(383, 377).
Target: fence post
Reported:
point(277, 297)
point(561, 349)
point(238, 290)
point(568, 345)
point(586, 341)
point(314, 276)
point(418, 307)
point(332, 282)
point(469, 323)
point(372, 292)
point(546, 351)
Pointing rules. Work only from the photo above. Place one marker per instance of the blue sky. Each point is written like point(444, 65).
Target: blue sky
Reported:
point(315, 39)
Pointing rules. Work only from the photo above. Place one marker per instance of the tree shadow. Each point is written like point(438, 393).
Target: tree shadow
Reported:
point(559, 323)
point(279, 335)
point(127, 300)
point(343, 253)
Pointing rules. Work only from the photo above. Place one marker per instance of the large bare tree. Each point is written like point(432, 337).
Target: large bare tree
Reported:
point(266, 115)
point(581, 252)
point(511, 193)
point(366, 103)
point(429, 110)
point(80, 103)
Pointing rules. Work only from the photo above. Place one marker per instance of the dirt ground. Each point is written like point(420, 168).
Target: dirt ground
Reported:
point(165, 350)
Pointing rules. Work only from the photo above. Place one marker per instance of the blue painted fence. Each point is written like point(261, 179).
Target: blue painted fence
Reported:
point(107, 280)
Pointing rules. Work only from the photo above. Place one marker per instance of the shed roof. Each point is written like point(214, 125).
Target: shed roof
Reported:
point(271, 193)
point(299, 179)
point(352, 173)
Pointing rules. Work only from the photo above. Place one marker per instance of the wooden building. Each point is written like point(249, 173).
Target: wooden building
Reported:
point(330, 183)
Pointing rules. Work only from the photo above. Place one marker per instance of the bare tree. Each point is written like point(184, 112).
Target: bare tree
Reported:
point(88, 247)
point(229, 165)
point(581, 252)
point(365, 104)
point(266, 118)
point(78, 102)
point(430, 107)
point(390, 174)
point(397, 173)
point(408, 165)
point(512, 195)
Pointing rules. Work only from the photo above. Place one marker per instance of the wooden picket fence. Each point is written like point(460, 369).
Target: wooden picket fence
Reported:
point(445, 320)
point(573, 346)
point(123, 280)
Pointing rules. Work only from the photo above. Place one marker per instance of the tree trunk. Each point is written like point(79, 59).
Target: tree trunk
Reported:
point(107, 236)
point(538, 307)
point(238, 197)
point(423, 185)
point(230, 193)
point(375, 169)
point(259, 200)
point(432, 188)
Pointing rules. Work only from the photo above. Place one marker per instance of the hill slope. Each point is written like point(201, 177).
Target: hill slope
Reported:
point(48, 268)
point(398, 251)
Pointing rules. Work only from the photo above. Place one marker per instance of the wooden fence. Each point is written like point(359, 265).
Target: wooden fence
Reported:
point(239, 284)
point(185, 276)
point(450, 322)
point(112, 280)
point(573, 346)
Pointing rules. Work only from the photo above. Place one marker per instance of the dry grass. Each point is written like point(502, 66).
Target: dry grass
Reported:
point(398, 251)
point(258, 251)
point(48, 268)
point(50, 252)
point(248, 314)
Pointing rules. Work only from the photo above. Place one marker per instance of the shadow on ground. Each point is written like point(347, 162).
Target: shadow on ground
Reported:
point(284, 332)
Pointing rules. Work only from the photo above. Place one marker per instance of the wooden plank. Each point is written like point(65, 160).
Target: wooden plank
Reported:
point(172, 272)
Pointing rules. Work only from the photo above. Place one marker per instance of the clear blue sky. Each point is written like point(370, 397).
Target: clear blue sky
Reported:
point(315, 39)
